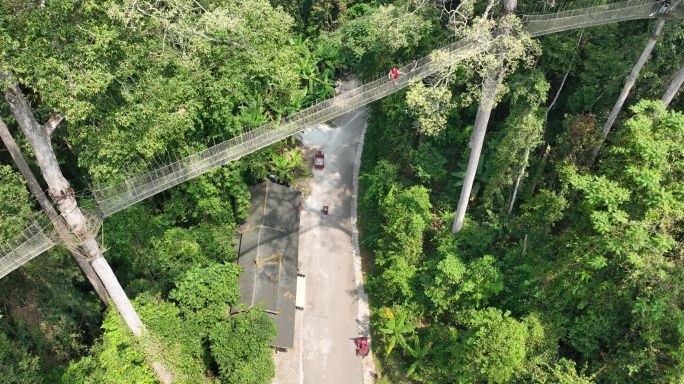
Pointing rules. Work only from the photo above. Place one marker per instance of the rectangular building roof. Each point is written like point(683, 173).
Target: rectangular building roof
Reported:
point(268, 251)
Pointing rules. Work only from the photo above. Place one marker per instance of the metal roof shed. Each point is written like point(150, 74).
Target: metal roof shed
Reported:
point(268, 249)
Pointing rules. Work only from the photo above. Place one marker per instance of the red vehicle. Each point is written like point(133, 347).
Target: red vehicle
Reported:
point(362, 346)
point(319, 159)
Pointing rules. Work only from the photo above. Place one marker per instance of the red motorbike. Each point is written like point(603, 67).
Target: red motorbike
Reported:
point(362, 346)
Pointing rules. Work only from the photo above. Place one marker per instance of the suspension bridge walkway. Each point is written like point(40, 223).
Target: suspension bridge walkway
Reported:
point(36, 239)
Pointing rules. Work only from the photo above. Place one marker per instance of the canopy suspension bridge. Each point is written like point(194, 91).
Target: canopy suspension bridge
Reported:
point(38, 238)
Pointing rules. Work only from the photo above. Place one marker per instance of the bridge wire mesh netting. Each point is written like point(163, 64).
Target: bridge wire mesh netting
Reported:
point(112, 199)
point(26, 245)
point(41, 235)
point(537, 25)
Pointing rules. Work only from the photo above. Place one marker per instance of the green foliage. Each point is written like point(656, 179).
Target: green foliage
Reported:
point(521, 134)
point(205, 293)
point(16, 210)
point(180, 342)
point(117, 358)
point(289, 165)
point(431, 106)
point(427, 163)
point(581, 133)
point(407, 216)
point(589, 266)
point(375, 34)
point(480, 177)
point(241, 347)
point(608, 54)
point(395, 329)
point(492, 348)
point(220, 196)
point(378, 183)
point(47, 312)
point(563, 372)
point(317, 65)
point(419, 353)
point(18, 365)
point(460, 286)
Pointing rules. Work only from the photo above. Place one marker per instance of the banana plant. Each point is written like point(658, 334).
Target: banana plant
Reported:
point(285, 165)
point(316, 69)
point(395, 329)
point(419, 353)
point(281, 166)
point(253, 112)
point(297, 159)
point(480, 179)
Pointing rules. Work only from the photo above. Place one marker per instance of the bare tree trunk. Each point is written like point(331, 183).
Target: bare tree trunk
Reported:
point(517, 181)
point(59, 189)
point(510, 6)
point(491, 84)
point(37, 191)
point(674, 87)
point(628, 85)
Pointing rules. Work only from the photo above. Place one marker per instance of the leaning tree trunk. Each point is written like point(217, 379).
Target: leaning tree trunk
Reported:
point(674, 87)
point(628, 85)
point(59, 189)
point(517, 181)
point(37, 191)
point(491, 85)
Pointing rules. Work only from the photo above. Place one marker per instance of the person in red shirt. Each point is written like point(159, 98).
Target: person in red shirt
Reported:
point(394, 74)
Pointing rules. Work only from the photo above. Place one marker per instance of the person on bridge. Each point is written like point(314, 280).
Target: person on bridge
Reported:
point(659, 7)
point(394, 74)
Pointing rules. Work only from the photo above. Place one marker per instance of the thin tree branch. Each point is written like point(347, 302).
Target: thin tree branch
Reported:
point(565, 77)
point(52, 123)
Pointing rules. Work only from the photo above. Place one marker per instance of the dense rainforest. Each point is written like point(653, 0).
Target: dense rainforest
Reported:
point(567, 268)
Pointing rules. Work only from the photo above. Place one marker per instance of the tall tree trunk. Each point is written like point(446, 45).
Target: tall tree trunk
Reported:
point(517, 181)
point(59, 189)
point(491, 84)
point(510, 6)
point(56, 220)
point(674, 87)
point(628, 85)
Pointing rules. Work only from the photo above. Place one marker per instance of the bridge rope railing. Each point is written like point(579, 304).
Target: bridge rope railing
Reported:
point(25, 246)
point(34, 240)
point(537, 25)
